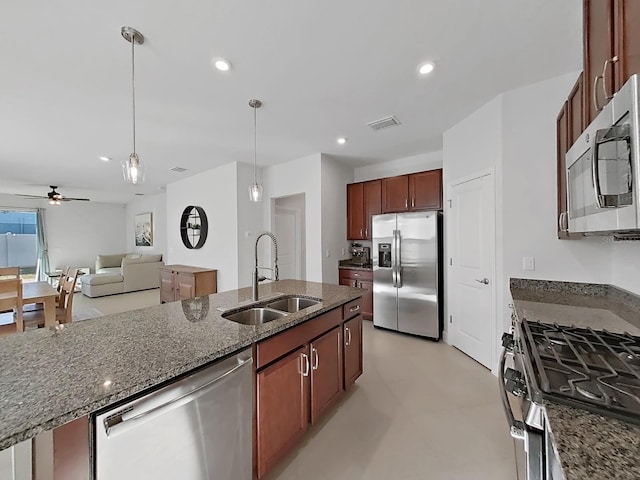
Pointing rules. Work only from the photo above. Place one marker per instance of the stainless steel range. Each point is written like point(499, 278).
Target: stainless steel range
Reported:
point(595, 370)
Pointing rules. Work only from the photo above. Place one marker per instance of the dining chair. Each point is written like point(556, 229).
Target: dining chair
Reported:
point(11, 300)
point(33, 307)
point(64, 310)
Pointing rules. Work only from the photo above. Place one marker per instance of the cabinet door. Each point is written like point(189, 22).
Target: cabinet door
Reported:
point(626, 40)
point(352, 350)
point(575, 113)
point(597, 47)
point(562, 136)
point(372, 204)
point(425, 190)
point(185, 286)
point(326, 372)
point(282, 407)
point(367, 300)
point(395, 194)
point(355, 211)
point(167, 290)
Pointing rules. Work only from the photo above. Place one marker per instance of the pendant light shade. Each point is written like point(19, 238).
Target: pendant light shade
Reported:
point(255, 190)
point(132, 168)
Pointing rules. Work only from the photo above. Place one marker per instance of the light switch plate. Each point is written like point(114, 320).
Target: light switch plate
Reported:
point(528, 263)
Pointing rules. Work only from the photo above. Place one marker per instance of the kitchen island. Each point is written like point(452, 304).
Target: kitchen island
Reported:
point(589, 445)
point(49, 378)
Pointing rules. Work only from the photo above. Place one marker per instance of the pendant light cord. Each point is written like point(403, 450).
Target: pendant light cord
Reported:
point(255, 143)
point(133, 88)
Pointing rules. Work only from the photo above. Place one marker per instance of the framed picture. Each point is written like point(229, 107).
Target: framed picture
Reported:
point(144, 230)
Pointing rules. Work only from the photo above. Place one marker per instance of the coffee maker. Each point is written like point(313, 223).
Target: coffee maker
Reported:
point(360, 255)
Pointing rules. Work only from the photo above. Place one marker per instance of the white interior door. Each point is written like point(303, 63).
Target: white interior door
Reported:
point(472, 267)
point(287, 231)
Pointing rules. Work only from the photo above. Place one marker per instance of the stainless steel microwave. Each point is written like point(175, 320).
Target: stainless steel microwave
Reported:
point(603, 169)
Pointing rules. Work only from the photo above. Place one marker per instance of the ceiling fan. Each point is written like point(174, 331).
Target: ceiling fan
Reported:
point(55, 197)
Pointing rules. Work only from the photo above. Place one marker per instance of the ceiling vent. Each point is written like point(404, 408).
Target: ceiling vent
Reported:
point(139, 194)
point(178, 169)
point(384, 123)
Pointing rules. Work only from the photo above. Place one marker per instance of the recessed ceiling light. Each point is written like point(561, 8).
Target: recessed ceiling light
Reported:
point(341, 140)
point(104, 159)
point(222, 64)
point(426, 68)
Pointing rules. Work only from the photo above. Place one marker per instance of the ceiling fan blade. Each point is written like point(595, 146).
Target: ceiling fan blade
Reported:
point(30, 196)
point(68, 199)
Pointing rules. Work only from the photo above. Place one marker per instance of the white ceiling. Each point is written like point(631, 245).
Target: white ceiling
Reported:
point(323, 69)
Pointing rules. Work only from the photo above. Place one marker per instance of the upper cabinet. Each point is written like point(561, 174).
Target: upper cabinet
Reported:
point(415, 192)
point(404, 193)
point(611, 50)
point(363, 201)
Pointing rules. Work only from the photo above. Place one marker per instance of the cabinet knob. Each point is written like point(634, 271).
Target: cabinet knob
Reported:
point(406, 203)
point(413, 202)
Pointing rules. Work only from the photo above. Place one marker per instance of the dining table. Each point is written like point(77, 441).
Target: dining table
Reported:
point(41, 292)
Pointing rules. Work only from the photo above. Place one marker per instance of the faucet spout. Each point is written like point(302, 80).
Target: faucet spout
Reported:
point(257, 278)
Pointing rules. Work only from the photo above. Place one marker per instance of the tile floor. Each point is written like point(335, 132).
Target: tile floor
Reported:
point(421, 410)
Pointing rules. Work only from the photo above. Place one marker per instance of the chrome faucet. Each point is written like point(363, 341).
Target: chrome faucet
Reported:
point(257, 278)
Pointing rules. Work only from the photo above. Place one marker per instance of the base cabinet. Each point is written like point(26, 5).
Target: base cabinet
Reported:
point(300, 375)
point(282, 407)
point(360, 279)
point(352, 350)
point(181, 282)
point(326, 372)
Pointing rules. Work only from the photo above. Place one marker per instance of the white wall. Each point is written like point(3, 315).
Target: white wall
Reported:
point(216, 192)
point(300, 176)
point(625, 266)
point(77, 231)
point(157, 205)
point(250, 222)
point(401, 166)
point(335, 177)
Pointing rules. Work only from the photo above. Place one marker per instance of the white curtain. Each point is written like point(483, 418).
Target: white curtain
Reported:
point(43, 251)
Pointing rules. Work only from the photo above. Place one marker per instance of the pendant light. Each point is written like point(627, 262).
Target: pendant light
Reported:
point(132, 169)
point(255, 190)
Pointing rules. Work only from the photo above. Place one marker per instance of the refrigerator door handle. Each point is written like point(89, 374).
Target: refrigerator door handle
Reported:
point(394, 258)
point(398, 259)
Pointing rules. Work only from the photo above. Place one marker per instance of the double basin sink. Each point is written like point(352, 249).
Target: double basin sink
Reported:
point(257, 315)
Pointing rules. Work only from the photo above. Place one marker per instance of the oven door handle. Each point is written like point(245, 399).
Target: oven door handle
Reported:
point(516, 427)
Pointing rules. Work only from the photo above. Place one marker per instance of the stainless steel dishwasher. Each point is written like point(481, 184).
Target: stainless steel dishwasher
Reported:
point(196, 428)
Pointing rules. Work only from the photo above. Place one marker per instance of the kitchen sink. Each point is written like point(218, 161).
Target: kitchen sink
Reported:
point(254, 316)
point(292, 304)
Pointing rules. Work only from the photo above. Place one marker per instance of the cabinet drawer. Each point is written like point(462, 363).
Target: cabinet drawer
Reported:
point(275, 347)
point(351, 309)
point(349, 274)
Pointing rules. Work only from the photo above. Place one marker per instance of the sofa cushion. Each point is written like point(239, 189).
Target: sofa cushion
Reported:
point(130, 259)
point(116, 270)
point(101, 278)
point(107, 261)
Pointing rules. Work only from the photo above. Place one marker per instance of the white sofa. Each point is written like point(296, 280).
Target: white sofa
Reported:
point(121, 273)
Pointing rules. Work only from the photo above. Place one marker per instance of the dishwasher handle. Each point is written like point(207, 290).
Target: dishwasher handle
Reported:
point(117, 422)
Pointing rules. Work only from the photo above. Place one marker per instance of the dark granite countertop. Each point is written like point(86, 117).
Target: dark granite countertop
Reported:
point(590, 446)
point(349, 265)
point(48, 379)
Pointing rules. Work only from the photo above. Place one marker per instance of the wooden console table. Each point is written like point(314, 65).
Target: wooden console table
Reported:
point(180, 282)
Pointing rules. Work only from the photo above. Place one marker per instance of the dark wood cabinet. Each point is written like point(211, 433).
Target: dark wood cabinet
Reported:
point(562, 141)
point(360, 279)
point(326, 372)
point(575, 113)
point(425, 190)
point(395, 194)
point(299, 376)
point(282, 407)
point(363, 201)
point(352, 350)
point(180, 282)
point(611, 47)
point(415, 192)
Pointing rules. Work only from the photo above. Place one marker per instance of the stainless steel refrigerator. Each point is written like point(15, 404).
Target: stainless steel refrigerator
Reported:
point(406, 273)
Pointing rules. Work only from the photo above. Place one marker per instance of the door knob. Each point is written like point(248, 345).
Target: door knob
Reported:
point(485, 281)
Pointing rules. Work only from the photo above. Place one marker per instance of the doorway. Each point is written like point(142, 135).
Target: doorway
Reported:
point(289, 229)
point(18, 241)
point(472, 272)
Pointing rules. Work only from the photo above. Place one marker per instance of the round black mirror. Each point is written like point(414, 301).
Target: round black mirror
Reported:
point(193, 227)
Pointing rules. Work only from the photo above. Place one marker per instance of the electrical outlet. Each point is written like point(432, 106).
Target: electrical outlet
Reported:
point(343, 252)
point(328, 253)
point(528, 263)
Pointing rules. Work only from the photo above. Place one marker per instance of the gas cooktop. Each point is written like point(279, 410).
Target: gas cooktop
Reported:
point(595, 370)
